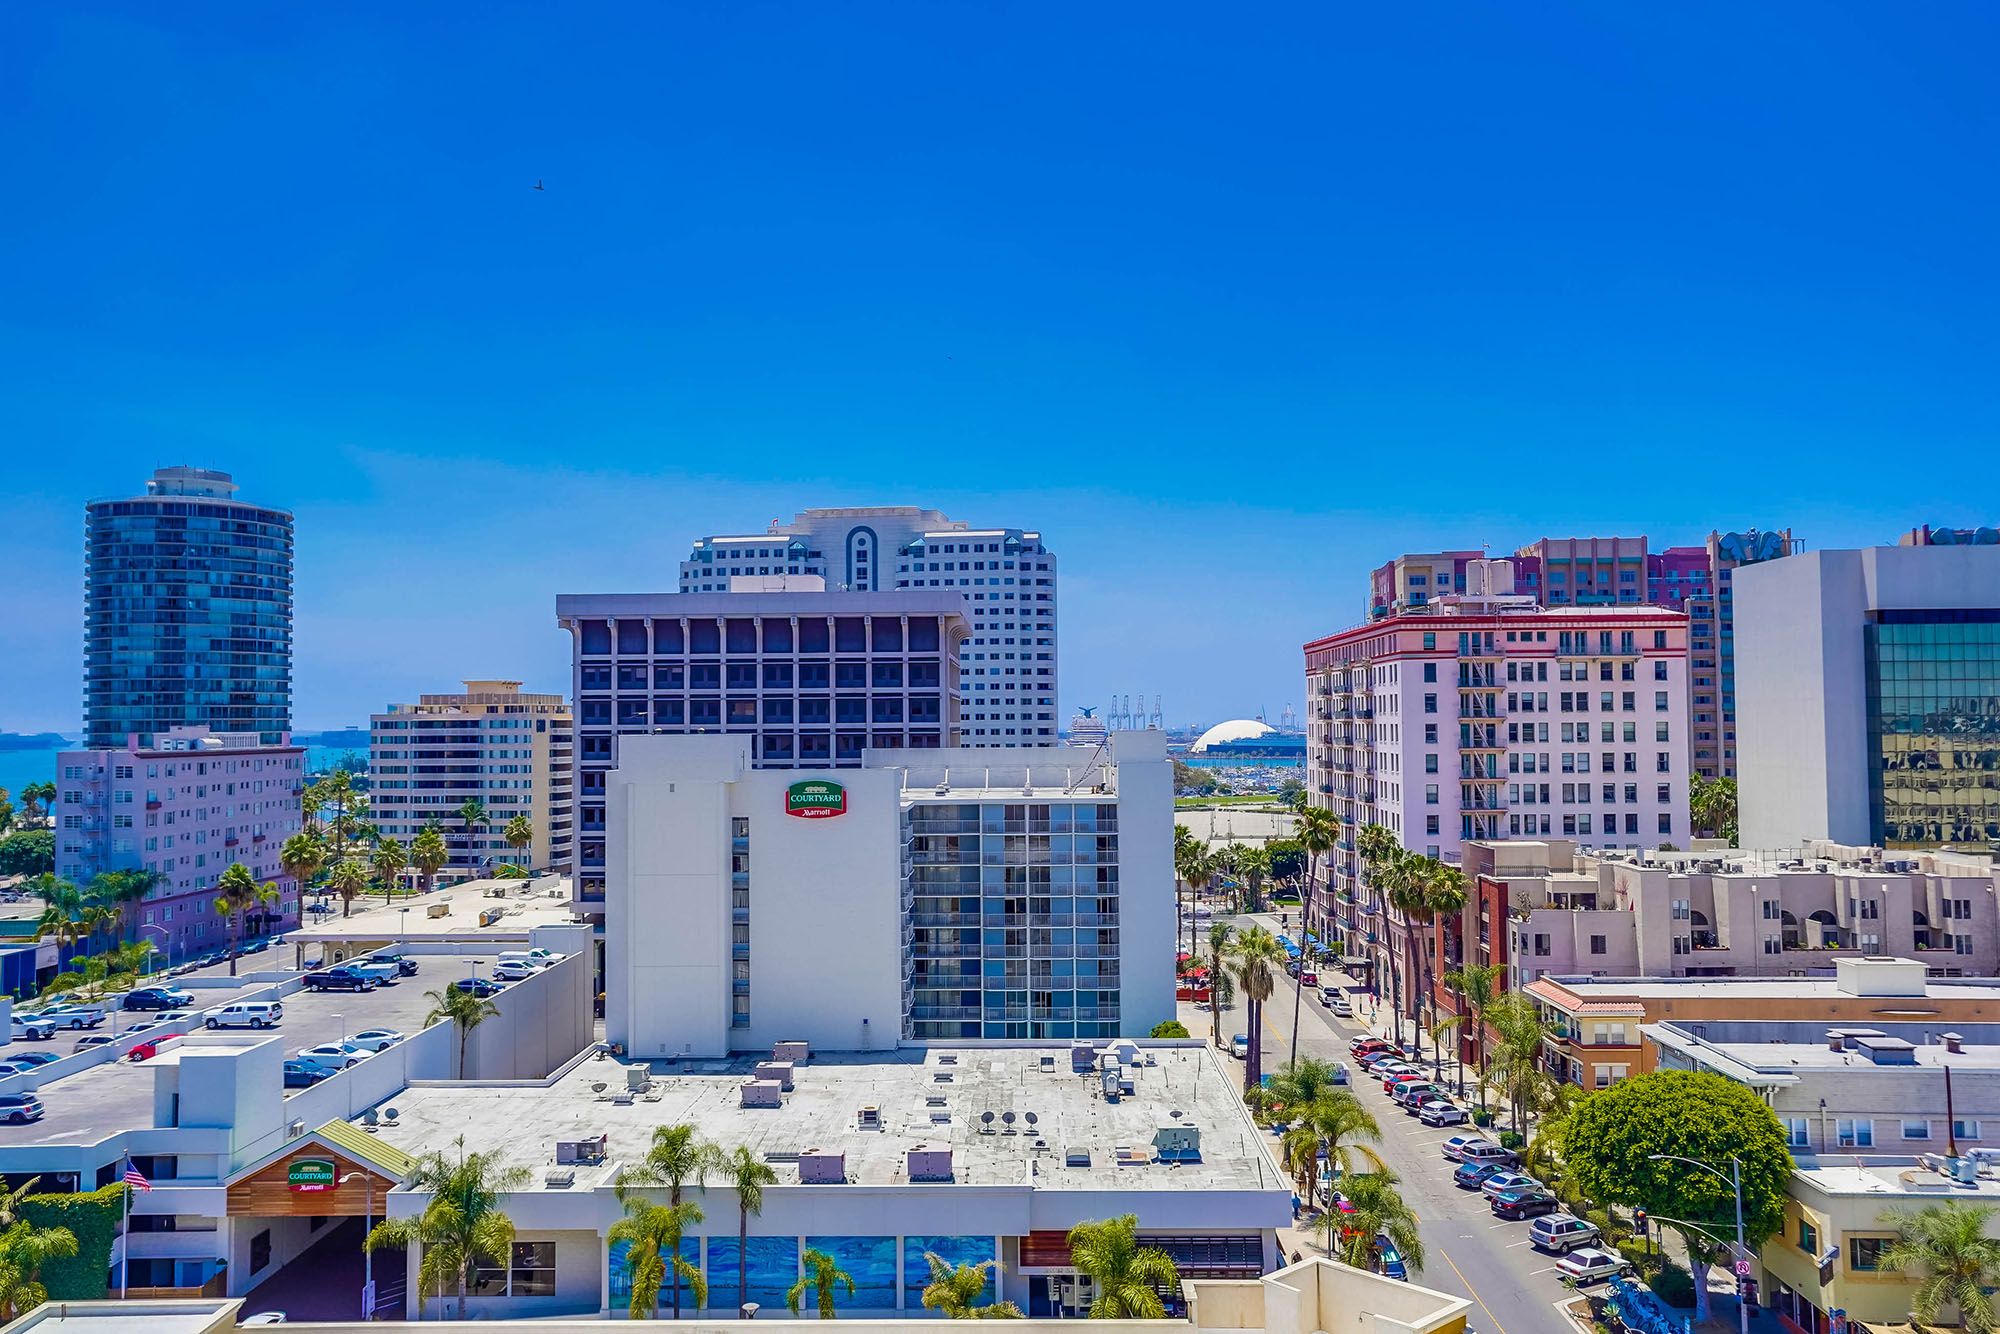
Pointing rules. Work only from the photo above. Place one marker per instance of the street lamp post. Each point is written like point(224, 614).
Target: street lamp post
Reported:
point(1735, 1180)
point(367, 1256)
point(165, 935)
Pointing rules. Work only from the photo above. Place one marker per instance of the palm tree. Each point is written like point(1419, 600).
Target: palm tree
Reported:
point(1379, 850)
point(302, 856)
point(1476, 986)
point(1315, 832)
point(119, 890)
point(1379, 1210)
point(461, 1226)
point(519, 833)
point(1127, 1276)
point(653, 1233)
point(1430, 892)
point(35, 799)
point(1253, 953)
point(64, 905)
point(1515, 1069)
point(678, 1155)
point(388, 860)
point(466, 1012)
point(472, 814)
point(1219, 980)
point(822, 1275)
point(1712, 807)
point(348, 878)
point(956, 1291)
point(748, 1175)
point(237, 892)
point(1195, 867)
point(1948, 1245)
point(1320, 1115)
point(428, 853)
point(24, 1249)
point(1254, 865)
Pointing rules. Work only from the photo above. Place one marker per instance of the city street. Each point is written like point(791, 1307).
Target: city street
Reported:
point(1467, 1250)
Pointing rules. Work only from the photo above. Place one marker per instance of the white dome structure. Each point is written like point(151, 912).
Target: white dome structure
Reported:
point(1240, 729)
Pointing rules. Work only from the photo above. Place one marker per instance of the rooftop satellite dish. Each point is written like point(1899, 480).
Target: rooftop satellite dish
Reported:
point(1030, 1117)
point(986, 1118)
point(1007, 1117)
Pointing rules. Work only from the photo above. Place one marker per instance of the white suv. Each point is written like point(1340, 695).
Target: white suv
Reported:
point(246, 1014)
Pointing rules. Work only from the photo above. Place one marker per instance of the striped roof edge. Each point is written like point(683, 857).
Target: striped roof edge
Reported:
point(363, 1147)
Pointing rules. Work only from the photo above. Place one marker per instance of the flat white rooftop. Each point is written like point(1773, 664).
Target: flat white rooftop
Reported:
point(938, 1096)
point(1905, 1177)
point(518, 906)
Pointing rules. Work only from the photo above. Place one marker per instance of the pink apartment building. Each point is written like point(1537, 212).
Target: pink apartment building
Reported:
point(1486, 715)
point(185, 807)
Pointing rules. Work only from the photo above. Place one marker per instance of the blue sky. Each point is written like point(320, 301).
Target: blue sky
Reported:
point(1232, 302)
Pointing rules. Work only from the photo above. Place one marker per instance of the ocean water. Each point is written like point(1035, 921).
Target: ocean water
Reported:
point(21, 767)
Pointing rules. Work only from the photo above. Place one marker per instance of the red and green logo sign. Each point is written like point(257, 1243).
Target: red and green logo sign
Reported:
point(309, 1174)
point(816, 799)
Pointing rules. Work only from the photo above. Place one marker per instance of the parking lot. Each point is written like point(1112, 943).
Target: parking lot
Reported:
point(116, 1096)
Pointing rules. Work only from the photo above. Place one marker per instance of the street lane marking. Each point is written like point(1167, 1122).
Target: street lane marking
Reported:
point(1502, 1223)
point(1550, 1270)
point(1512, 1245)
point(1474, 1291)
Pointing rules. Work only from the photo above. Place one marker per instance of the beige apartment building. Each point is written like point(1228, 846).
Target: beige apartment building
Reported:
point(511, 751)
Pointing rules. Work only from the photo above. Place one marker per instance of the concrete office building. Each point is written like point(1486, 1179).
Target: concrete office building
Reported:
point(1006, 575)
point(1621, 571)
point(809, 679)
point(1870, 692)
point(511, 752)
point(926, 895)
point(185, 807)
point(188, 612)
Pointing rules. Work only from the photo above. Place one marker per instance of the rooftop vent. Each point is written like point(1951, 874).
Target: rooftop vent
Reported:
point(818, 1167)
point(1076, 1157)
point(778, 1070)
point(795, 1051)
point(1953, 1042)
point(582, 1150)
point(868, 1117)
point(930, 1162)
point(559, 1178)
point(761, 1093)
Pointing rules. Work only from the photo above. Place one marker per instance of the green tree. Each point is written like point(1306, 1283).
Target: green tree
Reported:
point(1947, 1245)
point(349, 879)
point(822, 1276)
point(653, 1233)
point(462, 1224)
point(1317, 834)
point(301, 857)
point(119, 891)
point(24, 1249)
point(236, 894)
point(472, 815)
point(28, 852)
point(747, 1175)
point(1254, 865)
point(1128, 1277)
point(388, 861)
point(63, 907)
point(1515, 1066)
point(1288, 859)
point(1220, 981)
point(1320, 1119)
point(1688, 1115)
point(1381, 852)
point(466, 1012)
point(1379, 1210)
point(677, 1156)
point(37, 800)
point(1169, 1028)
point(519, 833)
point(956, 1291)
point(1712, 807)
point(428, 854)
point(346, 810)
point(1255, 954)
point(1194, 867)
point(1476, 986)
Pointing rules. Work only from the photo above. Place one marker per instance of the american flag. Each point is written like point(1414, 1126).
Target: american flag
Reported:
point(134, 1177)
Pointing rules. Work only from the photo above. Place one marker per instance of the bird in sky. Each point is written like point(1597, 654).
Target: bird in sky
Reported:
point(538, 185)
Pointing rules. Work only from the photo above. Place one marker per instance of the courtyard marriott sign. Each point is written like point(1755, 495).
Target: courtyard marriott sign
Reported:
point(816, 799)
point(306, 1174)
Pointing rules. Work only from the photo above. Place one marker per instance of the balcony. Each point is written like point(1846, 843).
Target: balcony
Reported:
point(950, 919)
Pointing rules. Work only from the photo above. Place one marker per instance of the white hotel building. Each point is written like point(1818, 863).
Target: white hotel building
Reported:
point(928, 895)
point(1006, 575)
point(1488, 716)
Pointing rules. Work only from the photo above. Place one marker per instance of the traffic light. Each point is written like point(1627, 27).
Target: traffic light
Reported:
point(1639, 1221)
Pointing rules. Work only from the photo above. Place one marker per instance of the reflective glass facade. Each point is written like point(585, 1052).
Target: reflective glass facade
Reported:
point(1934, 727)
point(188, 617)
point(1013, 920)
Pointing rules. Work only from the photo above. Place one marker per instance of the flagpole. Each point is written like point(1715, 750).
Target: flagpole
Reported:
point(125, 1237)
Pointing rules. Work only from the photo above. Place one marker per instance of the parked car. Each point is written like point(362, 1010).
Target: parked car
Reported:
point(1489, 1155)
point(33, 1058)
point(32, 1027)
point(1505, 1179)
point(477, 986)
point(1411, 1094)
point(1457, 1144)
point(1309, 979)
point(404, 963)
point(515, 970)
point(333, 1055)
point(1590, 1264)
point(1524, 1202)
point(1439, 1112)
point(343, 978)
point(20, 1108)
point(1342, 1007)
point(75, 1016)
point(1562, 1233)
point(1471, 1175)
point(9, 1068)
point(375, 1039)
point(158, 998)
point(1339, 1073)
point(304, 1074)
point(546, 957)
point(1362, 1043)
point(384, 972)
point(1239, 1046)
point(245, 1014)
point(265, 1318)
point(145, 1051)
point(1389, 1260)
point(94, 1040)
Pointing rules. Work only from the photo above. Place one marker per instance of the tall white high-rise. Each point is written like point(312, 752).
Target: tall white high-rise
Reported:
point(1006, 576)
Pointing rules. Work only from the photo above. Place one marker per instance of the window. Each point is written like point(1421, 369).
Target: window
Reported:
point(1659, 671)
point(260, 1251)
point(1854, 1133)
point(1659, 732)
point(1965, 1129)
point(1430, 794)
point(1430, 703)
point(1430, 764)
point(1430, 824)
point(1865, 1252)
point(1541, 946)
point(1597, 945)
point(1798, 1136)
point(1916, 1129)
point(1660, 701)
point(1808, 1234)
point(1607, 1075)
point(530, 1272)
point(1430, 671)
point(1430, 734)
